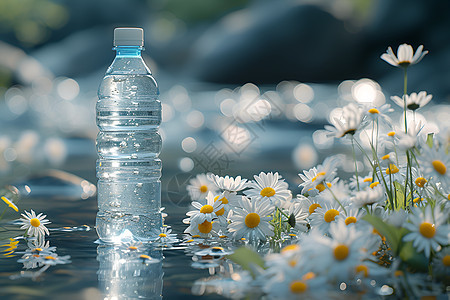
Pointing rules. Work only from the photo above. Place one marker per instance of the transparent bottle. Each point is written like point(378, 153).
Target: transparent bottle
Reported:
point(128, 144)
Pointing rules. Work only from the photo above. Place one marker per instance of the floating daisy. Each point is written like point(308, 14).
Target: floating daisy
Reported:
point(404, 56)
point(269, 187)
point(164, 236)
point(10, 203)
point(348, 123)
point(228, 183)
point(205, 212)
point(199, 187)
point(428, 229)
point(379, 113)
point(435, 164)
point(35, 225)
point(251, 221)
point(413, 101)
point(408, 140)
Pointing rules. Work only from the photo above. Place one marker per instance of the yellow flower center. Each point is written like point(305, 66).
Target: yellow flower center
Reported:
point(417, 200)
point(217, 248)
point(143, 256)
point(203, 189)
point(446, 260)
point(252, 220)
point(308, 276)
point(189, 241)
point(291, 247)
point(439, 167)
point(132, 248)
point(391, 134)
point(292, 263)
point(420, 182)
point(428, 298)
point(313, 207)
point(387, 156)
point(374, 111)
point(330, 215)
point(374, 184)
point(392, 169)
point(362, 269)
point(35, 222)
point(368, 179)
point(350, 220)
point(427, 230)
point(205, 227)
point(162, 235)
point(195, 236)
point(267, 192)
point(50, 257)
point(341, 252)
point(221, 211)
point(223, 199)
point(320, 187)
point(398, 273)
point(206, 209)
point(298, 287)
point(38, 249)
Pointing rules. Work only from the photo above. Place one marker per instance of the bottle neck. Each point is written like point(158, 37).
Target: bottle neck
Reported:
point(128, 51)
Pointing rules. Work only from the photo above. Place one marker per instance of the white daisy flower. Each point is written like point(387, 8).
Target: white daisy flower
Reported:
point(300, 284)
point(404, 56)
point(348, 123)
point(297, 217)
point(324, 216)
point(408, 140)
point(251, 221)
point(35, 225)
point(205, 212)
point(199, 187)
point(369, 196)
point(309, 205)
point(268, 187)
point(325, 173)
point(338, 254)
point(164, 236)
point(441, 262)
point(393, 173)
point(435, 164)
point(413, 101)
point(353, 216)
point(428, 229)
point(379, 112)
point(227, 183)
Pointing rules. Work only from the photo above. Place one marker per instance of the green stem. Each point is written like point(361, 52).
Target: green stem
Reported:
point(405, 91)
point(356, 165)
point(1, 216)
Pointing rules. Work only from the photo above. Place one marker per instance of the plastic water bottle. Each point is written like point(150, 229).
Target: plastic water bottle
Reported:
point(128, 144)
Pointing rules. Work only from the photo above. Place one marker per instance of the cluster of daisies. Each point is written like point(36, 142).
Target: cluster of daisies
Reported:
point(38, 252)
point(386, 231)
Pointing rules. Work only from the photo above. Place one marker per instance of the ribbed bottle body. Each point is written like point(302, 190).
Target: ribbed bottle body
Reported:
point(128, 145)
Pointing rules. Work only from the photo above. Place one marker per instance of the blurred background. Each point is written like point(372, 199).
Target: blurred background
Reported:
point(246, 85)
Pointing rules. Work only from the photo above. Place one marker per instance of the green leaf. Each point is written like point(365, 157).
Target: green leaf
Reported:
point(246, 257)
point(400, 194)
point(430, 140)
point(416, 261)
point(392, 234)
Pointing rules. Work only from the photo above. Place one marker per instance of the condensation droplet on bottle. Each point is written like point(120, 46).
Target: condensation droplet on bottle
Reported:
point(139, 185)
point(137, 145)
point(135, 218)
point(134, 155)
point(123, 144)
point(135, 172)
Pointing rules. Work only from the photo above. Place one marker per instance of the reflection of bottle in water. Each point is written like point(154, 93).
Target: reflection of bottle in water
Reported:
point(128, 144)
point(122, 274)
